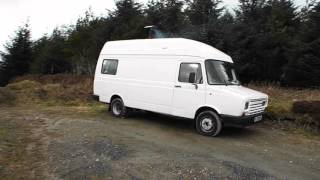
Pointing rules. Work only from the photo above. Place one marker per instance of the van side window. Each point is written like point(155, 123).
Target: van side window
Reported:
point(109, 66)
point(186, 69)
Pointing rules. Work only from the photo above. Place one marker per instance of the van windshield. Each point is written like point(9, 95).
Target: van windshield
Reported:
point(220, 72)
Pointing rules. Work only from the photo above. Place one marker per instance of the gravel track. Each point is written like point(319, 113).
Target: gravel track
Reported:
point(73, 143)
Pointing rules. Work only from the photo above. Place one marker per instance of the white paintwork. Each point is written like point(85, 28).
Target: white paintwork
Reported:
point(148, 73)
point(164, 47)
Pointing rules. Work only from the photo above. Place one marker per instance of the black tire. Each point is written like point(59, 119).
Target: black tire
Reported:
point(118, 109)
point(208, 123)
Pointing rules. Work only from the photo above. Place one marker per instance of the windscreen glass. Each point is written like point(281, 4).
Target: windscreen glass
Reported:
point(220, 72)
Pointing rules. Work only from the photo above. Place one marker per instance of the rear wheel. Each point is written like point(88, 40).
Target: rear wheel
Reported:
point(118, 108)
point(208, 123)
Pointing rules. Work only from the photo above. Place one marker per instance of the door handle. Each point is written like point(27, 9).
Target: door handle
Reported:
point(177, 86)
point(195, 85)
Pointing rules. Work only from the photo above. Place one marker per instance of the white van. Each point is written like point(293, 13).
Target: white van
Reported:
point(178, 77)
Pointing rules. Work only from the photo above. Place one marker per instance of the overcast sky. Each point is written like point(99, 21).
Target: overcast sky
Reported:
point(45, 15)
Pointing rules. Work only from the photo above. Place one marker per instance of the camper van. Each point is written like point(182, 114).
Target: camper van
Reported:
point(178, 77)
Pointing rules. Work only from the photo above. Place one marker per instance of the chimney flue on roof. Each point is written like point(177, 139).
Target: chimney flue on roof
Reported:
point(154, 32)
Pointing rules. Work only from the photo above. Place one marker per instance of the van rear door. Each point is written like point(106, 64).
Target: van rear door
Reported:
point(189, 89)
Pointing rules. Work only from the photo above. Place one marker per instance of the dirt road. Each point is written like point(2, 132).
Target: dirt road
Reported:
point(78, 143)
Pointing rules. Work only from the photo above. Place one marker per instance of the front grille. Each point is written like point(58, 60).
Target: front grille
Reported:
point(256, 106)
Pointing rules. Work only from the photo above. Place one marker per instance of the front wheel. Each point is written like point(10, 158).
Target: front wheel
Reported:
point(208, 123)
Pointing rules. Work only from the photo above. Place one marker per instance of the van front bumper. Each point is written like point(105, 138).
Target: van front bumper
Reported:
point(240, 120)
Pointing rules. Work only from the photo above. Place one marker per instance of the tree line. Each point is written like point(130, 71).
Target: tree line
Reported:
point(269, 40)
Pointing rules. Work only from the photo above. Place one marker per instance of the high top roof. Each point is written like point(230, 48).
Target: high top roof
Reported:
point(165, 46)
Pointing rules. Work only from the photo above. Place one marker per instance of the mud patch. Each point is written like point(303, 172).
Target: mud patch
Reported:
point(171, 169)
point(84, 158)
point(105, 147)
point(218, 170)
point(245, 173)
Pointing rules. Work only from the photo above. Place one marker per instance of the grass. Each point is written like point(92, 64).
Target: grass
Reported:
point(282, 100)
point(46, 91)
point(13, 142)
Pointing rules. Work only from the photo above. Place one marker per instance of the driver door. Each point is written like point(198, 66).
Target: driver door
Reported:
point(189, 89)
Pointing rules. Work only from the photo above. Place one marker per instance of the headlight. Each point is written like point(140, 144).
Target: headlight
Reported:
point(246, 105)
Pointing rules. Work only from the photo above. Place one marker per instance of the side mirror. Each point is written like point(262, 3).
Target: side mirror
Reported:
point(192, 77)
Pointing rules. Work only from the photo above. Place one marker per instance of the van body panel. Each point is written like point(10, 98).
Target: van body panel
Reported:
point(225, 100)
point(151, 92)
point(150, 87)
point(228, 98)
point(164, 47)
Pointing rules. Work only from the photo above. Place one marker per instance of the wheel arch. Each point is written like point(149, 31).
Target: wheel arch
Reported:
point(205, 108)
point(115, 96)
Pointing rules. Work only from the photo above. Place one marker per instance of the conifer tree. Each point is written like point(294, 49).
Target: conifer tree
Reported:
point(17, 56)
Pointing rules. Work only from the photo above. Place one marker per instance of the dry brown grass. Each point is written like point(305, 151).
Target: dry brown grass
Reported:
point(49, 89)
point(63, 79)
point(283, 104)
point(283, 93)
point(281, 99)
